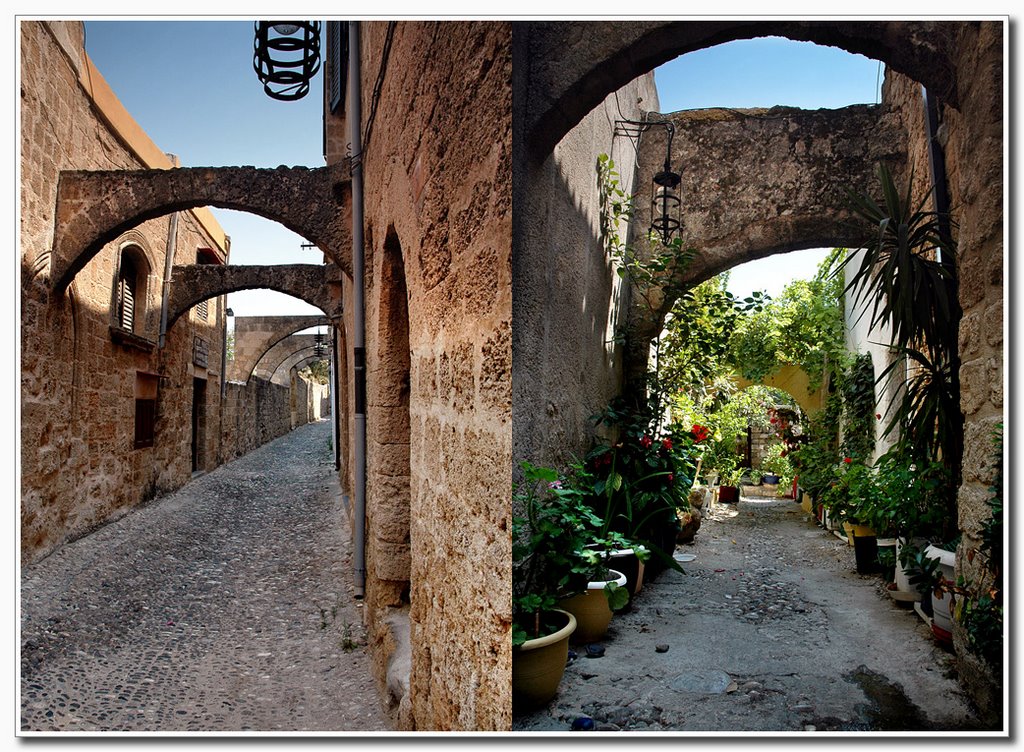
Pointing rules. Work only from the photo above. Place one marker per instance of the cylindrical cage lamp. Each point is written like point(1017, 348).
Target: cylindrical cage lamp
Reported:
point(666, 205)
point(286, 56)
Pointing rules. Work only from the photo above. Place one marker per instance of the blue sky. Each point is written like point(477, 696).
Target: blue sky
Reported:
point(226, 119)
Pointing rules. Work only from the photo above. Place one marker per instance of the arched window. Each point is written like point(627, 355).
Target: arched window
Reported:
point(128, 304)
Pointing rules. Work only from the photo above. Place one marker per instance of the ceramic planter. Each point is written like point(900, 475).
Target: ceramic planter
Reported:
point(728, 494)
point(806, 502)
point(904, 590)
point(625, 560)
point(942, 618)
point(593, 615)
point(865, 549)
point(770, 479)
point(538, 665)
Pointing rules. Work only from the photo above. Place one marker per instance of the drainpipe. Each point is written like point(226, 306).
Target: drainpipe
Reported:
point(354, 119)
point(332, 364)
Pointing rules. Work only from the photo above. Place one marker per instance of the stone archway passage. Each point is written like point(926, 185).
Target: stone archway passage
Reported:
point(95, 207)
point(225, 606)
point(794, 382)
point(256, 335)
point(318, 285)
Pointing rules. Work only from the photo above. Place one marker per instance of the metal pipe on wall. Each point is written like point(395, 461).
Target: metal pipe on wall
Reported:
point(354, 118)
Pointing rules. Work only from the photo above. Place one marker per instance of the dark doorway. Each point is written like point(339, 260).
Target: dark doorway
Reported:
point(198, 423)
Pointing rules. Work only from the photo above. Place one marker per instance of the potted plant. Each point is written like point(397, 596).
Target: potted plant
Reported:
point(911, 506)
point(639, 482)
point(729, 490)
point(548, 532)
point(778, 470)
point(851, 501)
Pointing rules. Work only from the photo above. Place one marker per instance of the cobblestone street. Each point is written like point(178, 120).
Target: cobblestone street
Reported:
point(225, 606)
point(769, 629)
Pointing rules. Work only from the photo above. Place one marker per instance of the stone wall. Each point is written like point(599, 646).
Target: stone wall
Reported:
point(974, 154)
point(972, 139)
point(254, 413)
point(569, 304)
point(80, 379)
point(437, 164)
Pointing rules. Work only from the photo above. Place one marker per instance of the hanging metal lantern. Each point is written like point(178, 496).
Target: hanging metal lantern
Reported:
point(286, 56)
point(666, 205)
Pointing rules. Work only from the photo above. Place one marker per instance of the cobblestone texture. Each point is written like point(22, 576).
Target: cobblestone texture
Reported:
point(225, 606)
point(769, 629)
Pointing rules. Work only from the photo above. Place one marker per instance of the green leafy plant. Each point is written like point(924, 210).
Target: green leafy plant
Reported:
point(854, 495)
point(911, 502)
point(547, 543)
point(776, 461)
point(640, 481)
point(857, 387)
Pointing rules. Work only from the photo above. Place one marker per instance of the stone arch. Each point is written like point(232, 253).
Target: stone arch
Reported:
point(256, 335)
point(595, 59)
point(389, 483)
point(95, 207)
point(303, 362)
point(795, 382)
point(270, 364)
point(318, 285)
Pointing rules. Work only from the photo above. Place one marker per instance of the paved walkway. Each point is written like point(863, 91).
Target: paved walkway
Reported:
point(225, 606)
point(770, 629)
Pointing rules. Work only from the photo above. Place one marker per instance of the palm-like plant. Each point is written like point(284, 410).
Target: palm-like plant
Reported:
point(908, 269)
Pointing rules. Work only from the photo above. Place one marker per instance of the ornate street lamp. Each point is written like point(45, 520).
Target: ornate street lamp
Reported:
point(286, 56)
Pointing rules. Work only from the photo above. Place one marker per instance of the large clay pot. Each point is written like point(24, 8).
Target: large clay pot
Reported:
point(591, 609)
point(538, 665)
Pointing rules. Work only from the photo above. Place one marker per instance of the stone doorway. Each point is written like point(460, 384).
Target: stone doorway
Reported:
point(198, 424)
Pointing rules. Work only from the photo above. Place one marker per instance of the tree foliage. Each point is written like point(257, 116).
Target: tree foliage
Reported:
point(802, 327)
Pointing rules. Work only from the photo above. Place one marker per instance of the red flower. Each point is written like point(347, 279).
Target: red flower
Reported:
point(666, 443)
point(646, 442)
point(847, 460)
point(699, 432)
point(671, 477)
point(878, 416)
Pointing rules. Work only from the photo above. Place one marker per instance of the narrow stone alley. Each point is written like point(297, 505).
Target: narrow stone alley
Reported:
point(224, 606)
point(769, 629)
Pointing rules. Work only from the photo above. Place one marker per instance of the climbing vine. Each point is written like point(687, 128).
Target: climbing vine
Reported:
point(858, 394)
